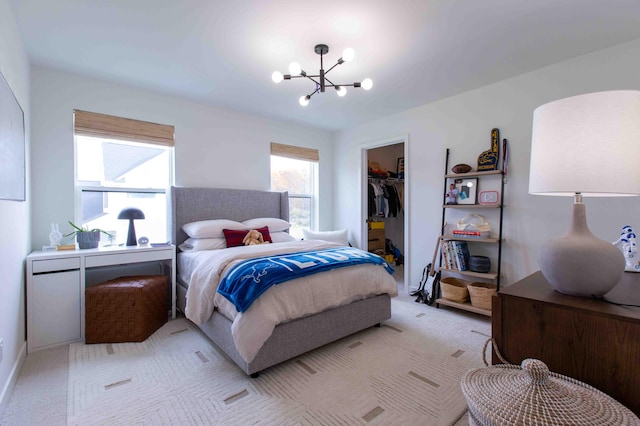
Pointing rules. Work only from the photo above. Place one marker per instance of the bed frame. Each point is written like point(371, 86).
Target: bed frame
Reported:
point(290, 339)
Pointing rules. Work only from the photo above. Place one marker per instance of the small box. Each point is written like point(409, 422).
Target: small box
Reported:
point(376, 225)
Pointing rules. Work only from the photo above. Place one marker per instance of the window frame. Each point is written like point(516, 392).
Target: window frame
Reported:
point(311, 156)
point(130, 131)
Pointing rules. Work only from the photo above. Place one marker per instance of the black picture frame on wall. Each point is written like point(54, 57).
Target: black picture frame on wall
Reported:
point(400, 168)
point(12, 145)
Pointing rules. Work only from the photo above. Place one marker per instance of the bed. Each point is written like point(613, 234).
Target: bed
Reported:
point(288, 339)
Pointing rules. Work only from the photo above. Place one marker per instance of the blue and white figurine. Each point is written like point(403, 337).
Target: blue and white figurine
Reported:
point(627, 244)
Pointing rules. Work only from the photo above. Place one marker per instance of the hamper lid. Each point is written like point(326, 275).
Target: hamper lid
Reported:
point(507, 394)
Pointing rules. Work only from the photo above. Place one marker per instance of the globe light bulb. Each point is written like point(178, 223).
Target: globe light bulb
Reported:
point(295, 68)
point(304, 100)
point(367, 84)
point(341, 90)
point(348, 54)
point(277, 77)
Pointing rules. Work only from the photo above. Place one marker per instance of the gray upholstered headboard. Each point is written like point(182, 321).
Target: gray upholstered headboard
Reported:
point(189, 204)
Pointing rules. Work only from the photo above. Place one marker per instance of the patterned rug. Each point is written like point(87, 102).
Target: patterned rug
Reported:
point(406, 372)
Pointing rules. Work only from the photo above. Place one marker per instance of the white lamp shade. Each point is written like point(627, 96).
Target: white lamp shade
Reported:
point(588, 144)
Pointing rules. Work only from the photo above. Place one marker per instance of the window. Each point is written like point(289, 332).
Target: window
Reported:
point(119, 164)
point(295, 170)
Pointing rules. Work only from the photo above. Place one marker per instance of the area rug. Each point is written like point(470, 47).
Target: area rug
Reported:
point(406, 372)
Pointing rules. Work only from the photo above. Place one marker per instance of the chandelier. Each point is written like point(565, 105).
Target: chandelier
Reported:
point(321, 80)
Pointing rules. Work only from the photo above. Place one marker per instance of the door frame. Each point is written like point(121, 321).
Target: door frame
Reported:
point(364, 181)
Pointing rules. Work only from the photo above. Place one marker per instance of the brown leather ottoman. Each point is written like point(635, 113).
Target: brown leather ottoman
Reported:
point(126, 309)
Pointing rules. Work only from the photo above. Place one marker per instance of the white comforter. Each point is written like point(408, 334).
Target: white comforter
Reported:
point(281, 303)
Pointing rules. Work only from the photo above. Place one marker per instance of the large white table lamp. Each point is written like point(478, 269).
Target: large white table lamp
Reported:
point(585, 146)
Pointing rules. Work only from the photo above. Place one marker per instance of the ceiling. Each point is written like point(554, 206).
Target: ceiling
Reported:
point(223, 52)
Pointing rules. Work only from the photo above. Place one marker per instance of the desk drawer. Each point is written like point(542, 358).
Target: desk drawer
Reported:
point(106, 259)
point(52, 265)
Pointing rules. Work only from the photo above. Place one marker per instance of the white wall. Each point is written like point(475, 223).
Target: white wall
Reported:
point(14, 216)
point(463, 123)
point(214, 147)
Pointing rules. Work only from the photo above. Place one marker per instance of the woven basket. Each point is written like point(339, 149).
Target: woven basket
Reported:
point(454, 289)
point(481, 294)
point(530, 394)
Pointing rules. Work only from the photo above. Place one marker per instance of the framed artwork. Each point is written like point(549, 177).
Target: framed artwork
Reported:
point(467, 190)
point(12, 156)
point(400, 168)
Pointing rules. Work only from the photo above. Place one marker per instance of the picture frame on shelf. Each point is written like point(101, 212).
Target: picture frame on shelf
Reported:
point(467, 190)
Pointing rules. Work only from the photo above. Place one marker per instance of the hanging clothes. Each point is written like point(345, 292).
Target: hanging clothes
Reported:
point(372, 209)
point(393, 200)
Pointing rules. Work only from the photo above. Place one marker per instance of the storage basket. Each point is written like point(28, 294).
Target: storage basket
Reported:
point(454, 289)
point(481, 294)
point(507, 394)
point(480, 264)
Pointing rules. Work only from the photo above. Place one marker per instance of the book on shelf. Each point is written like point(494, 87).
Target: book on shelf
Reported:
point(469, 234)
point(463, 254)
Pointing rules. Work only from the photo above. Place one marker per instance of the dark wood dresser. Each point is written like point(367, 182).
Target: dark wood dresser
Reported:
point(590, 340)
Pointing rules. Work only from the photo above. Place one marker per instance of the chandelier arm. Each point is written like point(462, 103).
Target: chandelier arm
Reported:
point(331, 84)
point(337, 63)
point(310, 77)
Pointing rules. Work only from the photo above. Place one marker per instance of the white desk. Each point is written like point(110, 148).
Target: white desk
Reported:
point(56, 281)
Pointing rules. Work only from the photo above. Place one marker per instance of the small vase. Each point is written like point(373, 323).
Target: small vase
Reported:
point(55, 236)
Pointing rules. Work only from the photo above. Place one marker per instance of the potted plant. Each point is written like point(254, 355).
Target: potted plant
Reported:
point(86, 238)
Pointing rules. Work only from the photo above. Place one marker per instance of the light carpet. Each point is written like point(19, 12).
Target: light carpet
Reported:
point(406, 372)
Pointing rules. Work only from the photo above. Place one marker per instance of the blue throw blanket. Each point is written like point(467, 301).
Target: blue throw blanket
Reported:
point(246, 281)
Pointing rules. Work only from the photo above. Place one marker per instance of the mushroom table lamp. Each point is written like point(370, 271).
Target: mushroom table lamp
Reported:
point(585, 146)
point(131, 214)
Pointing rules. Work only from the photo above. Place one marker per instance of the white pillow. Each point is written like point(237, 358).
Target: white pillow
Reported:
point(275, 224)
point(341, 237)
point(281, 237)
point(211, 228)
point(197, 244)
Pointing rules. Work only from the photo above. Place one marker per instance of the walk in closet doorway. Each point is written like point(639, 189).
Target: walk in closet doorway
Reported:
point(384, 206)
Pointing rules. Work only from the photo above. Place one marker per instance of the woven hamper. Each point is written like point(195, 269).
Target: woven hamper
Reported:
point(481, 293)
point(126, 309)
point(530, 394)
point(454, 289)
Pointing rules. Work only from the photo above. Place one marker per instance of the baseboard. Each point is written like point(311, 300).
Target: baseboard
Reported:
point(13, 378)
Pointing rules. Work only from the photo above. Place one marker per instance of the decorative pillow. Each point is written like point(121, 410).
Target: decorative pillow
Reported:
point(341, 237)
point(211, 228)
point(275, 224)
point(197, 244)
point(281, 237)
point(234, 237)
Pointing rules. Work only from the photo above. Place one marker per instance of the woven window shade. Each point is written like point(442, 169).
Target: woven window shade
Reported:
point(108, 126)
point(295, 152)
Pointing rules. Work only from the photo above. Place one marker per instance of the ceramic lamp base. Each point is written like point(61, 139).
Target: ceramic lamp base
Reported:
point(579, 263)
